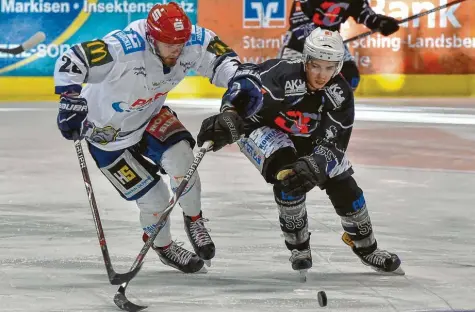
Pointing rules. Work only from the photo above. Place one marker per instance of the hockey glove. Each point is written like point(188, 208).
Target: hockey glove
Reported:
point(387, 25)
point(224, 128)
point(306, 173)
point(244, 91)
point(72, 112)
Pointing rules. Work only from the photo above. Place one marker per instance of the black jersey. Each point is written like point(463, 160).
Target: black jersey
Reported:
point(310, 118)
point(306, 15)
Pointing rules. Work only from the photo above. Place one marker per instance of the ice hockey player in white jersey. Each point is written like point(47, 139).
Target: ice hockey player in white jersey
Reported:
point(121, 114)
point(297, 135)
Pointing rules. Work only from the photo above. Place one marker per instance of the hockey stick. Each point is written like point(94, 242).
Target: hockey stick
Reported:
point(28, 44)
point(120, 299)
point(410, 18)
point(114, 277)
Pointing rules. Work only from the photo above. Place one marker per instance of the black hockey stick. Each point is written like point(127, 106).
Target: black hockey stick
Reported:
point(114, 277)
point(410, 18)
point(120, 299)
point(28, 44)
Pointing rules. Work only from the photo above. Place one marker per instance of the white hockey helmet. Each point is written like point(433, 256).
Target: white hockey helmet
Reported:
point(325, 45)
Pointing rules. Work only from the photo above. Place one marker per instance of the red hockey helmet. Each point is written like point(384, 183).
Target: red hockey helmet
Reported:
point(168, 23)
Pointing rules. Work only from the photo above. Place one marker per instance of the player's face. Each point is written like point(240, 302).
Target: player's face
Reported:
point(319, 72)
point(169, 52)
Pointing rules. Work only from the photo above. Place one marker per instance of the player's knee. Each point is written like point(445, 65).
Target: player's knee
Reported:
point(176, 161)
point(179, 156)
point(351, 73)
point(346, 196)
point(155, 200)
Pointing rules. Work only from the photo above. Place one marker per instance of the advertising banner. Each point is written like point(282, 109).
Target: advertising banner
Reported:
point(438, 43)
point(65, 22)
point(433, 55)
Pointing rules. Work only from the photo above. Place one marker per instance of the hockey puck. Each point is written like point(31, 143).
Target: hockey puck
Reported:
point(322, 298)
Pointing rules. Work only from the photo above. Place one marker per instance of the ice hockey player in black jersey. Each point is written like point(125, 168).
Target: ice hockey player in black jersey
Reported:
point(296, 135)
point(306, 15)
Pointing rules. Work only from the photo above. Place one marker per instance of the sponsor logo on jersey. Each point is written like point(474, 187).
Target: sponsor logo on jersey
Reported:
point(140, 71)
point(295, 87)
point(331, 133)
point(197, 36)
point(297, 122)
point(164, 125)
point(97, 52)
point(217, 47)
point(186, 65)
point(264, 13)
point(130, 40)
point(124, 174)
point(102, 135)
point(335, 94)
point(138, 105)
point(249, 150)
point(330, 13)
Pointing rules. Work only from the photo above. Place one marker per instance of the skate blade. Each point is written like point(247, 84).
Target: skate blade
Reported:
point(203, 270)
point(303, 275)
point(207, 262)
point(398, 271)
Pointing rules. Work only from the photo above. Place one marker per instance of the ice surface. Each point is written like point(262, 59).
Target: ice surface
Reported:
point(50, 259)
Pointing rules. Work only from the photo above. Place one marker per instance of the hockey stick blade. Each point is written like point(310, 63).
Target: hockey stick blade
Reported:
point(124, 304)
point(34, 40)
point(118, 278)
point(27, 45)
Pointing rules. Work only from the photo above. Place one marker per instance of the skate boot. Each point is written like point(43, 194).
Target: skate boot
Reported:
point(181, 259)
point(378, 259)
point(199, 237)
point(178, 257)
point(301, 261)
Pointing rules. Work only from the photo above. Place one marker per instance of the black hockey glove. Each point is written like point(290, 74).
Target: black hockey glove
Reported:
point(223, 128)
point(306, 173)
point(72, 112)
point(386, 25)
point(244, 91)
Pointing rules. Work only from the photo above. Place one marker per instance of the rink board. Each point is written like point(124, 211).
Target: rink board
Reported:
point(42, 88)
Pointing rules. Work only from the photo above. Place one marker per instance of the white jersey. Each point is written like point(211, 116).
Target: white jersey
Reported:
point(127, 83)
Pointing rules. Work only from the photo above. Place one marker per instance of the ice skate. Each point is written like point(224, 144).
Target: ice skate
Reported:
point(378, 259)
point(179, 258)
point(199, 238)
point(301, 261)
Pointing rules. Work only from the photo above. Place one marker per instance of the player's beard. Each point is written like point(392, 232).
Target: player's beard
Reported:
point(170, 61)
